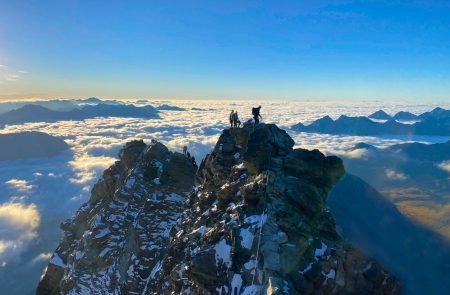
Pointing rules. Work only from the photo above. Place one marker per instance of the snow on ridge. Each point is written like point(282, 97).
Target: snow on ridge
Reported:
point(56, 260)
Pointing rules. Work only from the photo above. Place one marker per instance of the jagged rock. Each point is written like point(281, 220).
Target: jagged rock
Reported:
point(256, 223)
point(50, 282)
point(115, 241)
point(132, 152)
point(271, 190)
point(266, 142)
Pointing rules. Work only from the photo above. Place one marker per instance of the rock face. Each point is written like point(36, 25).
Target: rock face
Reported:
point(257, 222)
point(114, 241)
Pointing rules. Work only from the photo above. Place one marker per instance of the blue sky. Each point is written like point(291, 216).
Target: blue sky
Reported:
point(226, 49)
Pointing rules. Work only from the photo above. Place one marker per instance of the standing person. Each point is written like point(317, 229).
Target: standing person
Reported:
point(184, 150)
point(256, 115)
point(236, 121)
point(231, 118)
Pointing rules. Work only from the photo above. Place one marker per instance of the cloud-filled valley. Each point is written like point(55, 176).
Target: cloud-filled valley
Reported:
point(37, 194)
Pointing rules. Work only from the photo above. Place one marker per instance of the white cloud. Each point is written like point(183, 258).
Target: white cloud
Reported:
point(12, 77)
point(445, 166)
point(394, 175)
point(87, 169)
point(19, 184)
point(42, 257)
point(18, 227)
point(354, 154)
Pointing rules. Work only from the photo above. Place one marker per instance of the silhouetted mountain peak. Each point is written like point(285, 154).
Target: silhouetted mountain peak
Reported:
point(29, 144)
point(380, 115)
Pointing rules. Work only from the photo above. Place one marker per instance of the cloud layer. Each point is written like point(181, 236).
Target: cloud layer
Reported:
point(46, 191)
point(18, 227)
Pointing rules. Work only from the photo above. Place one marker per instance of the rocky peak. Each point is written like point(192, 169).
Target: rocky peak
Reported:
point(257, 222)
point(116, 238)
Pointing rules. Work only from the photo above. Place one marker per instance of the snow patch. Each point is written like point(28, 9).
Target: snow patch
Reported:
point(329, 276)
point(56, 260)
point(103, 232)
point(223, 253)
point(236, 284)
point(201, 230)
point(130, 182)
point(250, 264)
point(175, 198)
point(258, 220)
point(252, 290)
point(240, 166)
point(368, 266)
point(155, 269)
point(320, 251)
point(246, 238)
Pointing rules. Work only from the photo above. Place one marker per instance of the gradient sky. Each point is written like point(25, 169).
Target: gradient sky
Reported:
point(225, 49)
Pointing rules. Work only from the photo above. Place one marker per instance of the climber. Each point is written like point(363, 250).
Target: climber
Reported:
point(185, 150)
point(236, 121)
point(231, 118)
point(188, 155)
point(193, 161)
point(256, 115)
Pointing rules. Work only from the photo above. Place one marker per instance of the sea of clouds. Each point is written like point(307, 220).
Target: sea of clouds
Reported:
point(36, 195)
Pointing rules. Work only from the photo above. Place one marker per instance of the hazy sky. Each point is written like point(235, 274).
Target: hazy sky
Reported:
point(225, 49)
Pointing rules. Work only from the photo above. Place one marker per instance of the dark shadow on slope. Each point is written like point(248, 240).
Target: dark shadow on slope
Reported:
point(417, 256)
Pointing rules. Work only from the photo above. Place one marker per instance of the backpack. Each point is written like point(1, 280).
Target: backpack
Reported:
point(255, 111)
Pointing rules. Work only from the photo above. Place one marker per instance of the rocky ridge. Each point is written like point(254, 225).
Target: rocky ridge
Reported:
point(114, 241)
point(257, 222)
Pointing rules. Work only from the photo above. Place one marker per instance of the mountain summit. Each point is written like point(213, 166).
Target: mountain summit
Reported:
point(254, 219)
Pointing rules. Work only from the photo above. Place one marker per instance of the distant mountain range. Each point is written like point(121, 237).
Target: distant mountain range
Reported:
point(55, 104)
point(436, 122)
point(14, 146)
point(166, 107)
point(37, 113)
point(436, 152)
point(407, 116)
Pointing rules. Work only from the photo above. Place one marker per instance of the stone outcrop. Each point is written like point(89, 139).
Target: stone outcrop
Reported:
point(256, 222)
point(116, 239)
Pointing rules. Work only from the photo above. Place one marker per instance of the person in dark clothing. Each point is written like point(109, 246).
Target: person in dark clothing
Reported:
point(184, 150)
point(188, 155)
point(256, 115)
point(231, 118)
point(193, 161)
point(236, 121)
